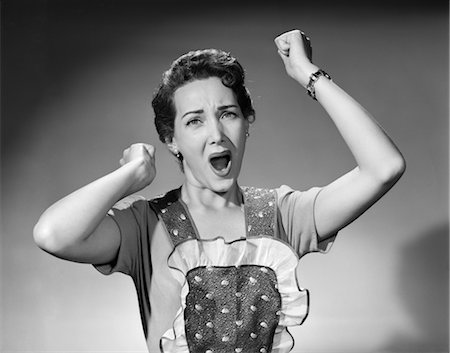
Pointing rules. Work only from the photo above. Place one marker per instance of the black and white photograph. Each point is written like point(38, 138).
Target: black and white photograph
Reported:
point(224, 176)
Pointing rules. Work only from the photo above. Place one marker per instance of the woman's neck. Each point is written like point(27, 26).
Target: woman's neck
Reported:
point(201, 197)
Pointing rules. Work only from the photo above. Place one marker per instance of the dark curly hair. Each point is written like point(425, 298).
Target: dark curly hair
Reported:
point(198, 64)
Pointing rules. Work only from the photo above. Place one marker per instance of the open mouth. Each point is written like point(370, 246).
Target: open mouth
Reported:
point(220, 162)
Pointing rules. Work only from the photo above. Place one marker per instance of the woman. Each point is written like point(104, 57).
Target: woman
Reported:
point(214, 263)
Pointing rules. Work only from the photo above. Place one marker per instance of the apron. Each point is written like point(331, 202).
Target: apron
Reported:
point(237, 296)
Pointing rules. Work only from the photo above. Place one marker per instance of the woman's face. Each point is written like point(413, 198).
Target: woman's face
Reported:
point(210, 133)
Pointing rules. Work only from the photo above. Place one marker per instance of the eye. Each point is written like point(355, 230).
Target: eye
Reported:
point(193, 122)
point(228, 115)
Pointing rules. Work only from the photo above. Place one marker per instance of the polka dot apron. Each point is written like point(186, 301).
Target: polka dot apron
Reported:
point(237, 296)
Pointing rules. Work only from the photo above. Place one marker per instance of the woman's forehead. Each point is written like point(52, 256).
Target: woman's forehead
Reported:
point(203, 93)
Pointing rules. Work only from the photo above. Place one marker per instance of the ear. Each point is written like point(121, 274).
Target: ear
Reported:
point(250, 119)
point(172, 146)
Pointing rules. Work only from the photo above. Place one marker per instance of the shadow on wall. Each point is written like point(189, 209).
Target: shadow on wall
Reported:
point(423, 288)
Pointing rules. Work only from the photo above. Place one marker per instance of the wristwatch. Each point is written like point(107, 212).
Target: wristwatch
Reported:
point(312, 81)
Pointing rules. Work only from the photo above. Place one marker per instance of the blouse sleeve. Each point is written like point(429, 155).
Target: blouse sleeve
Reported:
point(296, 220)
point(134, 217)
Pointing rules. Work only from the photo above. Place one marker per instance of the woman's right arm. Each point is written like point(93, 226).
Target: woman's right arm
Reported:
point(77, 227)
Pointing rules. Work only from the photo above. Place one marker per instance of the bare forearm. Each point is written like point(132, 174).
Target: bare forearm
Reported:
point(372, 149)
point(380, 164)
point(73, 218)
point(77, 227)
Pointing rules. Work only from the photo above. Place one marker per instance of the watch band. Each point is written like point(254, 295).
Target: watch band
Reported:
point(312, 81)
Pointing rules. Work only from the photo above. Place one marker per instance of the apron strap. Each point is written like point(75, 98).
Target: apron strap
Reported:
point(173, 215)
point(260, 209)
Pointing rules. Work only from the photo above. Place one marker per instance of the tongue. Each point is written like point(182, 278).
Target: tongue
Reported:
point(220, 163)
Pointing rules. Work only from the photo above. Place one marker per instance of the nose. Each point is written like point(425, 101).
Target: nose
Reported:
point(215, 130)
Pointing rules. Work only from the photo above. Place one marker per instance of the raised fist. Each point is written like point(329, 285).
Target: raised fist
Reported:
point(141, 157)
point(294, 48)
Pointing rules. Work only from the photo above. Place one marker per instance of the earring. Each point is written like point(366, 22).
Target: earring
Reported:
point(177, 154)
point(247, 134)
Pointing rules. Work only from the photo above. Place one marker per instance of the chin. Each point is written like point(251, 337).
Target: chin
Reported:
point(222, 186)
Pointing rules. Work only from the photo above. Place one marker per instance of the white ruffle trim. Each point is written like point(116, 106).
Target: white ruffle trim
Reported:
point(262, 251)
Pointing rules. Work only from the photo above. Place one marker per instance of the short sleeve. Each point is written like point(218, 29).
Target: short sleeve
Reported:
point(296, 220)
point(133, 216)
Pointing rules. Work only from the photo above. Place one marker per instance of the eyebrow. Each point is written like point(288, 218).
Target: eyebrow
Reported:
point(192, 112)
point(223, 107)
point(199, 111)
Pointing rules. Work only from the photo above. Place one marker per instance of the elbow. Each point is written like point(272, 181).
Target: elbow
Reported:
point(45, 238)
point(397, 169)
point(392, 170)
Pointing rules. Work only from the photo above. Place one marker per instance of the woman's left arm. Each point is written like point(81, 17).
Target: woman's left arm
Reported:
point(379, 163)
